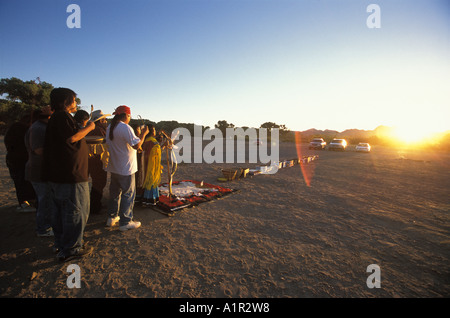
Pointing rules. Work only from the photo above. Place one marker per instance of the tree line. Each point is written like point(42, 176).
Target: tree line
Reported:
point(19, 98)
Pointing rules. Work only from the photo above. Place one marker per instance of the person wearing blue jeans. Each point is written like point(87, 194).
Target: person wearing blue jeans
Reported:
point(43, 213)
point(70, 214)
point(122, 192)
point(65, 168)
point(122, 146)
point(34, 142)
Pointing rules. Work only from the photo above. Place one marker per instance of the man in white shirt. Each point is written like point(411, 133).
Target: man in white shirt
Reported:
point(122, 145)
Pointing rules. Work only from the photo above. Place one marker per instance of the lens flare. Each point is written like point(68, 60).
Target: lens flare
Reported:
point(307, 170)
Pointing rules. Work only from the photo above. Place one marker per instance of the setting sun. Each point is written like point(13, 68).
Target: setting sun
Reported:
point(413, 133)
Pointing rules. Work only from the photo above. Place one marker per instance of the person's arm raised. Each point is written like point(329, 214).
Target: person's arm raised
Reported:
point(82, 132)
point(144, 132)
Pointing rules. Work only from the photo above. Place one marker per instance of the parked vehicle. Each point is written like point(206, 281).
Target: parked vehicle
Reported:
point(363, 147)
point(338, 144)
point(317, 143)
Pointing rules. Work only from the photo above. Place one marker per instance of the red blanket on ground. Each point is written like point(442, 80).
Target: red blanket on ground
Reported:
point(202, 192)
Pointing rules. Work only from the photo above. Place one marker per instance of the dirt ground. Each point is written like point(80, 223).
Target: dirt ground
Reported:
point(276, 237)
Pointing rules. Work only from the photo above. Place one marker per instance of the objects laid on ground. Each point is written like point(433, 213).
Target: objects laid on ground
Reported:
point(240, 173)
point(187, 194)
point(231, 174)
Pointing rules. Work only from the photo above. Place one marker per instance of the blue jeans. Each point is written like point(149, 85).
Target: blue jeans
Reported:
point(122, 192)
point(43, 215)
point(70, 211)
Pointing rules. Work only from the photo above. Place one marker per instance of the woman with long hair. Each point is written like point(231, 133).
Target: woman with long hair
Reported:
point(152, 166)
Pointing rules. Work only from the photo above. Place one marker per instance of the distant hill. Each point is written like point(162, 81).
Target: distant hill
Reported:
point(382, 135)
point(328, 135)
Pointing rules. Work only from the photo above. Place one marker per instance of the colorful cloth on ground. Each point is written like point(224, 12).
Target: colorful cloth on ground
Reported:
point(189, 193)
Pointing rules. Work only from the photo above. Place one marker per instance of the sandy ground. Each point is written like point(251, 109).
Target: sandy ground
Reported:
point(275, 237)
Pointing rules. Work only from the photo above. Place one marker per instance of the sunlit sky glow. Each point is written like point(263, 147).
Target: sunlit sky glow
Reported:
point(304, 64)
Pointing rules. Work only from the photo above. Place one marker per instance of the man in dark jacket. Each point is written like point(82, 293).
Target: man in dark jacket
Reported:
point(66, 170)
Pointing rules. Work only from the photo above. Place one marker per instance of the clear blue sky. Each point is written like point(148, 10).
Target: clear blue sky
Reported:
point(305, 64)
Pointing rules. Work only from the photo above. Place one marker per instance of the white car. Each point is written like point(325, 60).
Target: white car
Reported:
point(363, 147)
point(337, 144)
point(317, 143)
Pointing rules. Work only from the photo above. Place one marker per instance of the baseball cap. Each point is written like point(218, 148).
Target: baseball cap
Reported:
point(122, 109)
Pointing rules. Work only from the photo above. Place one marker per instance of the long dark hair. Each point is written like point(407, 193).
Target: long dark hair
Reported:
point(81, 116)
point(114, 122)
point(150, 130)
point(61, 97)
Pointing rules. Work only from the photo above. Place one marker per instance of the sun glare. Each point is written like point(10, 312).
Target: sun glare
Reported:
point(412, 134)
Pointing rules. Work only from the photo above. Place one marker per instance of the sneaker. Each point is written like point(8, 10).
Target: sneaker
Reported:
point(149, 202)
point(47, 233)
point(80, 253)
point(130, 226)
point(26, 207)
point(112, 221)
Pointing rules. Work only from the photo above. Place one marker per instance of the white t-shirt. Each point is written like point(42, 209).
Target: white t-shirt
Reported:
point(122, 155)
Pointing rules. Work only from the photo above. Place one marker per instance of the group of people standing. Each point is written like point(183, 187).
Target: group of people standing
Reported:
point(60, 162)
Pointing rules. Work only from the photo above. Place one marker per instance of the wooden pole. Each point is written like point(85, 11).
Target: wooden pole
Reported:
point(169, 174)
